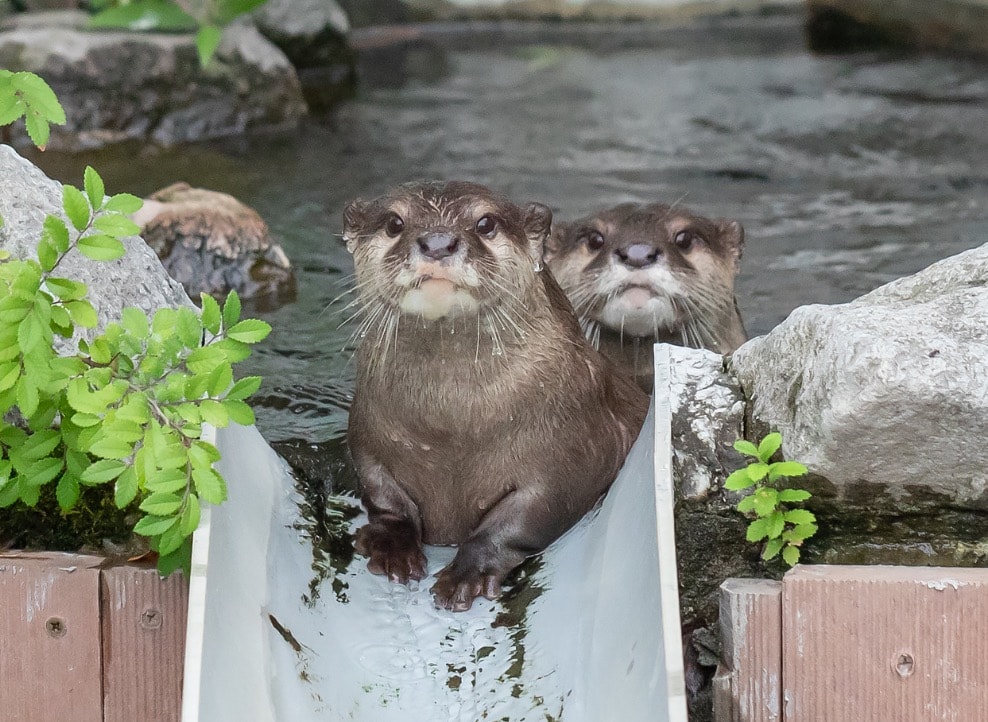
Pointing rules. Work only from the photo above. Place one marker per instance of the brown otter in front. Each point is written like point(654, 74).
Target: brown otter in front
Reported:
point(481, 416)
point(640, 274)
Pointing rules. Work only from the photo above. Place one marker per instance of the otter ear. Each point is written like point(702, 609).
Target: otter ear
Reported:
point(732, 234)
point(538, 222)
point(354, 217)
point(554, 242)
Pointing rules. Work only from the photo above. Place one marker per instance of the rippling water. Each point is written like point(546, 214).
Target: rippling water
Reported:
point(846, 172)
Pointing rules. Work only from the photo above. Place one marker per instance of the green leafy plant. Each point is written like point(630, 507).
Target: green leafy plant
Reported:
point(126, 410)
point(783, 528)
point(25, 95)
point(206, 17)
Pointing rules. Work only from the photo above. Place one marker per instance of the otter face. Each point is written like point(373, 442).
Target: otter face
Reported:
point(648, 270)
point(443, 250)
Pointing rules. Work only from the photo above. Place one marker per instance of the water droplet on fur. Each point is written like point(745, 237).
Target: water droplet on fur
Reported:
point(363, 334)
point(497, 351)
point(452, 330)
point(539, 266)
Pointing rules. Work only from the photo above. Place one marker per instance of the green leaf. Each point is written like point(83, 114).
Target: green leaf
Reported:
point(769, 445)
point(234, 351)
point(9, 373)
point(181, 558)
point(47, 255)
point(156, 15)
point(103, 471)
point(109, 447)
point(125, 488)
point(207, 40)
point(116, 225)
point(230, 9)
point(100, 247)
point(757, 471)
point(800, 516)
point(37, 128)
point(66, 289)
point(786, 468)
point(757, 530)
point(83, 314)
point(794, 495)
point(231, 310)
point(776, 523)
point(56, 232)
point(203, 454)
point(204, 360)
point(168, 480)
point(42, 471)
point(39, 444)
point(736, 481)
point(135, 321)
point(801, 532)
point(37, 93)
point(124, 203)
point(11, 108)
point(210, 313)
point(250, 330)
point(67, 492)
point(76, 207)
point(30, 333)
point(27, 396)
point(214, 413)
point(94, 187)
point(746, 447)
point(790, 555)
point(249, 385)
point(189, 518)
point(766, 500)
point(171, 540)
point(209, 485)
point(161, 504)
point(772, 548)
point(239, 412)
point(219, 380)
point(153, 525)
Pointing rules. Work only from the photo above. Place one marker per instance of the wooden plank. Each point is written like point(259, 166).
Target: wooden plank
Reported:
point(748, 684)
point(143, 644)
point(50, 653)
point(885, 643)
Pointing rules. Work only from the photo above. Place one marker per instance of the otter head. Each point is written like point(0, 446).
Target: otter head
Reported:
point(444, 250)
point(647, 270)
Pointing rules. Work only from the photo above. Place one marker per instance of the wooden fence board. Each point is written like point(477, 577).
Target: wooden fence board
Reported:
point(143, 642)
point(885, 643)
point(748, 686)
point(50, 655)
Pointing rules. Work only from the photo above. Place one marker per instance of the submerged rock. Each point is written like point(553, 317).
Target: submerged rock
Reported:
point(126, 85)
point(212, 243)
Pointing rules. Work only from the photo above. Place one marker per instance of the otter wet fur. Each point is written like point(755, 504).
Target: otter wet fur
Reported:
point(638, 274)
point(481, 416)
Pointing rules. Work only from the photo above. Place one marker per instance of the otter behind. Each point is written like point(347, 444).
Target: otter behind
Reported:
point(481, 416)
point(638, 275)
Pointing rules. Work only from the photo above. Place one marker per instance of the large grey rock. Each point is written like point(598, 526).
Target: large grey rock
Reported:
point(149, 86)
point(891, 389)
point(27, 196)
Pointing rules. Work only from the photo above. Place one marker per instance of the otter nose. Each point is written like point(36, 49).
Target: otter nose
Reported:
point(438, 245)
point(638, 255)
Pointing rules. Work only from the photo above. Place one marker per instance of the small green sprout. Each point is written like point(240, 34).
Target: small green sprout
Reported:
point(784, 529)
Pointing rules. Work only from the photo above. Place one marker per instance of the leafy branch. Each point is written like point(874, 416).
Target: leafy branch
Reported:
point(129, 407)
point(25, 95)
point(784, 529)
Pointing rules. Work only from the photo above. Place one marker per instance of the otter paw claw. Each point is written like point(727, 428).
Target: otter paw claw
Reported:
point(456, 590)
point(392, 554)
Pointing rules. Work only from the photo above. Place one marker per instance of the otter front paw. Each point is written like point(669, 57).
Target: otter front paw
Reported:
point(394, 552)
point(455, 589)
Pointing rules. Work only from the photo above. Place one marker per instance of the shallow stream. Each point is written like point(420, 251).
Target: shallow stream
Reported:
point(846, 171)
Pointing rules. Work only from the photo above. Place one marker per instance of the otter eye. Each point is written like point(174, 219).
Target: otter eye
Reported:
point(486, 225)
point(595, 240)
point(684, 240)
point(394, 225)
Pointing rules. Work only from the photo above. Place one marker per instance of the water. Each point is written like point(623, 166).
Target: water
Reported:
point(846, 172)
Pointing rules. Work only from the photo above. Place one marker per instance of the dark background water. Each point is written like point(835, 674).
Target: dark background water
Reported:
point(846, 171)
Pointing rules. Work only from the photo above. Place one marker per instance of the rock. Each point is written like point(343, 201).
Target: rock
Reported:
point(890, 390)
point(149, 86)
point(212, 243)
point(363, 13)
point(313, 34)
point(137, 279)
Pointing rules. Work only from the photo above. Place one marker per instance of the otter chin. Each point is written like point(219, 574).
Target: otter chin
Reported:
point(641, 274)
point(481, 415)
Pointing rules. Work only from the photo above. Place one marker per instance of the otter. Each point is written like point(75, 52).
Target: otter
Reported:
point(641, 274)
point(481, 415)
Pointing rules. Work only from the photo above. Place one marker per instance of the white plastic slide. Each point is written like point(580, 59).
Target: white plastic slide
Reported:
point(591, 635)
